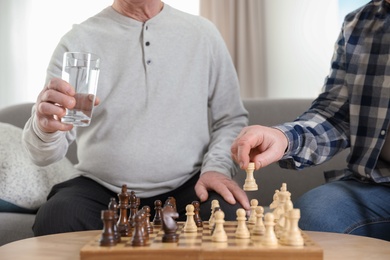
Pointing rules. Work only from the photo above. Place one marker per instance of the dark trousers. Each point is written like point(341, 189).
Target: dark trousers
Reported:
point(76, 205)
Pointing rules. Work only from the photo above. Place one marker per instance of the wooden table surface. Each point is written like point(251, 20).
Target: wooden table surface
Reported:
point(68, 245)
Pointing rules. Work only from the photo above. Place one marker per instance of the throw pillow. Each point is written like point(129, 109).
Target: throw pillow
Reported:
point(22, 183)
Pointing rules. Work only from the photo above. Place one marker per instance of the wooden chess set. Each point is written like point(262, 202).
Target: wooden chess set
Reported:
point(132, 234)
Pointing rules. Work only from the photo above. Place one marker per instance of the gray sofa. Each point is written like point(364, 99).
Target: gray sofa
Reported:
point(15, 226)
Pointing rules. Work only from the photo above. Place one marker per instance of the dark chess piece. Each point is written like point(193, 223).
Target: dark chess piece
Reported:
point(133, 208)
point(157, 220)
point(138, 235)
point(169, 214)
point(197, 218)
point(108, 237)
point(148, 225)
point(124, 227)
point(113, 205)
point(145, 232)
point(172, 202)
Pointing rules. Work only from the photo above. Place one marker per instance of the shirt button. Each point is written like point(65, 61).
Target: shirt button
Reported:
point(146, 27)
point(383, 132)
point(147, 43)
point(148, 62)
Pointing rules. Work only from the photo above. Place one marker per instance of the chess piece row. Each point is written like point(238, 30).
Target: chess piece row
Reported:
point(134, 222)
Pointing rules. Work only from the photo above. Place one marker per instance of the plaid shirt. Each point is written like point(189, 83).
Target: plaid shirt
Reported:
point(354, 108)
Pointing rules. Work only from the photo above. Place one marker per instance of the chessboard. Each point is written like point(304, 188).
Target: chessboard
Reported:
point(199, 245)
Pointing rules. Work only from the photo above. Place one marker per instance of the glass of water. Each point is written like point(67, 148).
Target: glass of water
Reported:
point(81, 70)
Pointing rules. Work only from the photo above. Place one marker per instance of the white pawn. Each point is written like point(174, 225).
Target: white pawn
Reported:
point(214, 204)
point(259, 228)
point(294, 235)
point(252, 216)
point(250, 182)
point(275, 200)
point(284, 223)
point(269, 238)
point(219, 234)
point(282, 197)
point(242, 230)
point(190, 225)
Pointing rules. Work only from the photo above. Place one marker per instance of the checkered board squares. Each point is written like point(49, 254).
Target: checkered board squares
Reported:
point(199, 245)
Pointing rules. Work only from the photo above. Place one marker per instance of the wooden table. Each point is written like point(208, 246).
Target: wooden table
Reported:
point(68, 245)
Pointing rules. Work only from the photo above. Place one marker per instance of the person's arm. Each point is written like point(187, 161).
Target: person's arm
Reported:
point(227, 113)
point(227, 117)
point(314, 137)
point(44, 136)
point(323, 130)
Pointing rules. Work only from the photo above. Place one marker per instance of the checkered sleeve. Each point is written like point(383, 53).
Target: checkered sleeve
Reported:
point(322, 131)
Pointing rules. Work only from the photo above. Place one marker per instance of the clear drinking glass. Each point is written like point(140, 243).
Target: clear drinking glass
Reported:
point(81, 70)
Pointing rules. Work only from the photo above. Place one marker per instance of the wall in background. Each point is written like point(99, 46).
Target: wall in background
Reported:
point(299, 39)
point(30, 30)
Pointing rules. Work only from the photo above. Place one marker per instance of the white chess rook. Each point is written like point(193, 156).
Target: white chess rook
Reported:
point(250, 182)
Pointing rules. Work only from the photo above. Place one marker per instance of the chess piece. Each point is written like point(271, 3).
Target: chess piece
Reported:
point(138, 238)
point(172, 202)
point(197, 218)
point(250, 182)
point(294, 235)
point(259, 228)
point(133, 208)
point(252, 216)
point(148, 225)
point(275, 200)
point(113, 205)
point(212, 227)
point(169, 214)
point(144, 225)
point(108, 237)
point(282, 196)
point(242, 230)
point(269, 239)
point(214, 204)
point(190, 225)
point(124, 227)
point(157, 221)
point(284, 221)
point(219, 234)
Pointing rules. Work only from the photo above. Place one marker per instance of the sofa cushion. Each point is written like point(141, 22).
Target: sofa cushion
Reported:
point(23, 185)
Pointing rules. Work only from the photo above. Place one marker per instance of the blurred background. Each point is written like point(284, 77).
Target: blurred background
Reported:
point(281, 48)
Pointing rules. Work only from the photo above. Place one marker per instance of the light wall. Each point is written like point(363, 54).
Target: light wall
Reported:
point(299, 39)
point(30, 30)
